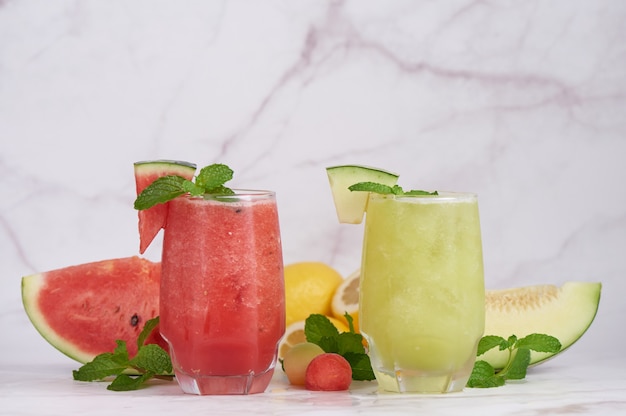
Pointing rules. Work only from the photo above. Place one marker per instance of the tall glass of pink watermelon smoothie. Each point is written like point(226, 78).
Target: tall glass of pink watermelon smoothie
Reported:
point(222, 302)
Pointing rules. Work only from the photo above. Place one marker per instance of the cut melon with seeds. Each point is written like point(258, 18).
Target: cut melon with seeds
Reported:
point(351, 206)
point(151, 220)
point(82, 310)
point(564, 312)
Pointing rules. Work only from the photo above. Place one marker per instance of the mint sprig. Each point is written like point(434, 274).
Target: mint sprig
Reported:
point(209, 181)
point(319, 330)
point(485, 376)
point(151, 361)
point(380, 188)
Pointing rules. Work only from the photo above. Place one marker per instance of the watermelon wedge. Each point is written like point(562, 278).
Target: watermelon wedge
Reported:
point(153, 219)
point(82, 310)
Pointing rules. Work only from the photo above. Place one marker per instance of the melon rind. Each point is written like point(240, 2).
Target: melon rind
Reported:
point(351, 206)
point(31, 286)
point(564, 312)
point(132, 283)
point(152, 220)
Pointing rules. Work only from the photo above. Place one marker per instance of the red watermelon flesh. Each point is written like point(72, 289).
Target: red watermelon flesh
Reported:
point(82, 310)
point(151, 220)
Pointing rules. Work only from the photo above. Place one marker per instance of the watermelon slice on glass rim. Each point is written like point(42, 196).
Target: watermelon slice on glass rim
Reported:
point(151, 220)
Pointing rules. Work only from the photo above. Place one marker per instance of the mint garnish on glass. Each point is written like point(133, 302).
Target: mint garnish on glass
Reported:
point(210, 181)
point(380, 188)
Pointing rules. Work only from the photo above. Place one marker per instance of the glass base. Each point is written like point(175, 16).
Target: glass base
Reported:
point(214, 385)
point(402, 381)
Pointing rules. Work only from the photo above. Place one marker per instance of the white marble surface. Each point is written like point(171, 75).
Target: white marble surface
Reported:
point(523, 103)
point(566, 386)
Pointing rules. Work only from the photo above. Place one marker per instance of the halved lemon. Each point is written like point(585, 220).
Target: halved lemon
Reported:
point(346, 299)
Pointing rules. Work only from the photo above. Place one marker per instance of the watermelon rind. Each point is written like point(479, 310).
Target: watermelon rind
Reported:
point(31, 286)
point(169, 164)
point(153, 219)
point(96, 304)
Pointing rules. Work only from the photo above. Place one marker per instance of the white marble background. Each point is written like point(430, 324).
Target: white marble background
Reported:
point(523, 102)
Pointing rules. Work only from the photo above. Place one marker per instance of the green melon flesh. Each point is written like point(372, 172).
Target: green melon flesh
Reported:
point(152, 220)
point(564, 312)
point(351, 206)
point(82, 310)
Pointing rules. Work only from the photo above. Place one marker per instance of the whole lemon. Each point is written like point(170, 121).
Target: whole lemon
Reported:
point(309, 288)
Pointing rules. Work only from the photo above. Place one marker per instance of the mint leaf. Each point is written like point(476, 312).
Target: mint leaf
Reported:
point(539, 343)
point(361, 366)
point(192, 188)
point(511, 341)
point(419, 192)
point(349, 342)
point(214, 176)
point(518, 366)
point(102, 366)
point(163, 189)
point(148, 327)
point(120, 352)
point(152, 358)
point(483, 376)
point(319, 330)
point(318, 326)
point(124, 382)
point(350, 321)
point(221, 190)
point(380, 188)
point(328, 344)
point(491, 341)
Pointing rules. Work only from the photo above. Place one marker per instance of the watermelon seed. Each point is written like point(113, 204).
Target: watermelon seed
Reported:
point(134, 320)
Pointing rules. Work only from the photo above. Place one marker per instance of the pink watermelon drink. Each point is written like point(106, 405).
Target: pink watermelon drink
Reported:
point(222, 305)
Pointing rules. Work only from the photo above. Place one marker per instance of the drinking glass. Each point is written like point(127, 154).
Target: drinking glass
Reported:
point(222, 302)
point(422, 305)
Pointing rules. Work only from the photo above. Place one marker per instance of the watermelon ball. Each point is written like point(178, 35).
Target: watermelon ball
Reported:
point(328, 372)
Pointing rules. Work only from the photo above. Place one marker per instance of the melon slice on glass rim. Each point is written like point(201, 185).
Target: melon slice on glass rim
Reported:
point(151, 220)
point(351, 206)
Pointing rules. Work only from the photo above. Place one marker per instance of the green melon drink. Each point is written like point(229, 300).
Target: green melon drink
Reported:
point(222, 307)
point(422, 306)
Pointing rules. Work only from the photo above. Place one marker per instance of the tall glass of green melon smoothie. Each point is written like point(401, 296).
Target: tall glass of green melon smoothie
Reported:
point(222, 304)
point(422, 290)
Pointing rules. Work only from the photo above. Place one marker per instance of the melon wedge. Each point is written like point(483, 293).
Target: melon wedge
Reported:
point(82, 310)
point(151, 220)
point(351, 206)
point(564, 312)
